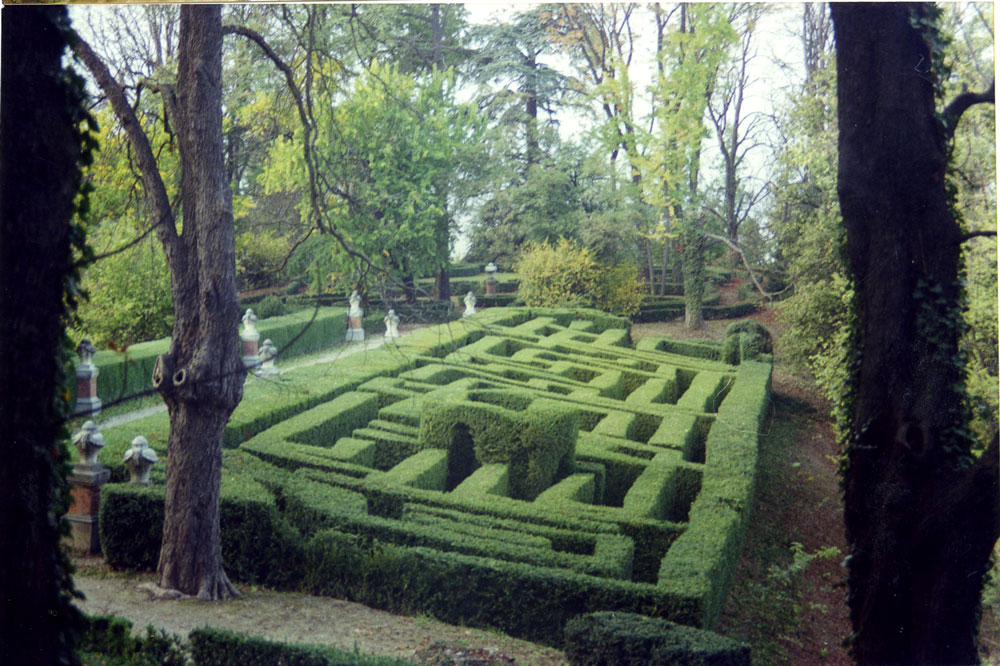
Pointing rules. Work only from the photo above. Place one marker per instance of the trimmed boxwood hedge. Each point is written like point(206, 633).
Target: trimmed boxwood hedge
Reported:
point(523, 600)
point(642, 493)
point(625, 639)
point(126, 374)
point(257, 542)
point(221, 647)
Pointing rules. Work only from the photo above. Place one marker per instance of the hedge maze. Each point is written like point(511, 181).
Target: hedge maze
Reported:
point(512, 470)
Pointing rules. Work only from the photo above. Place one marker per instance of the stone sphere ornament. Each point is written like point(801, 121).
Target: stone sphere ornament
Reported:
point(139, 459)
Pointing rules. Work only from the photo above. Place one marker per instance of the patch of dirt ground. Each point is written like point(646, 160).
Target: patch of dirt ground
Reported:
point(300, 618)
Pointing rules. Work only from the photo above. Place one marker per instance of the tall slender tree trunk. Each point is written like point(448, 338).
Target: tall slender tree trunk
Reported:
point(666, 265)
point(201, 378)
point(650, 271)
point(694, 274)
point(921, 513)
point(442, 282)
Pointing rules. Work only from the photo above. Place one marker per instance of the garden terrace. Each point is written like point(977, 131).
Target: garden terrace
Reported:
point(512, 470)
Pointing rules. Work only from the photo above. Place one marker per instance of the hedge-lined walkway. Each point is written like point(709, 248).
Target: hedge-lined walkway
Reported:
point(295, 617)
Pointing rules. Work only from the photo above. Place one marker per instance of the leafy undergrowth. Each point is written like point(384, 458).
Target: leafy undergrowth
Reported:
point(787, 600)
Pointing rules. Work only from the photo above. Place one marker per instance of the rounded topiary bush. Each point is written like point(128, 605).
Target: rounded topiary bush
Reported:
point(270, 306)
point(746, 340)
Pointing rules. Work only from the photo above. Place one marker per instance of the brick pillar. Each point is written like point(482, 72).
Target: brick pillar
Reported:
point(85, 489)
point(250, 358)
point(87, 401)
point(491, 285)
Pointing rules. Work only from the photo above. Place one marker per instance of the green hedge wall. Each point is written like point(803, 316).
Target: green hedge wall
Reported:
point(613, 639)
point(534, 443)
point(220, 647)
point(527, 455)
point(126, 374)
point(257, 543)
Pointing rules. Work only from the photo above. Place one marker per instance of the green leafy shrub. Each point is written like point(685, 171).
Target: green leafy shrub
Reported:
point(613, 639)
point(129, 298)
point(259, 258)
point(269, 306)
point(746, 340)
point(564, 274)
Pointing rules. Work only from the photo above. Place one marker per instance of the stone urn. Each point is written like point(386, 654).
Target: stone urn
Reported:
point(139, 459)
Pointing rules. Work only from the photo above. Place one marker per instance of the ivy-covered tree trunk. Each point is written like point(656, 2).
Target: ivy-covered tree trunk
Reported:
point(201, 377)
point(922, 513)
point(693, 268)
point(40, 153)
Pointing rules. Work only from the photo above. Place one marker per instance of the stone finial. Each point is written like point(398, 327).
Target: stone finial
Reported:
point(88, 442)
point(86, 350)
point(268, 352)
point(139, 459)
point(249, 324)
point(470, 305)
point(491, 268)
point(391, 325)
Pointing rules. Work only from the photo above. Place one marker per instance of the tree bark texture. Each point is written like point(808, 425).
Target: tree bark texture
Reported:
point(921, 517)
point(201, 378)
point(39, 178)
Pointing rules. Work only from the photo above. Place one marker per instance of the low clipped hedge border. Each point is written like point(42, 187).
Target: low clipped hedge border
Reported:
point(112, 637)
point(122, 375)
point(106, 637)
point(221, 647)
point(626, 639)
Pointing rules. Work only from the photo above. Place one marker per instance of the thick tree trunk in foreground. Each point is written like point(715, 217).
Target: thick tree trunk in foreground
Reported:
point(39, 178)
point(921, 515)
point(201, 378)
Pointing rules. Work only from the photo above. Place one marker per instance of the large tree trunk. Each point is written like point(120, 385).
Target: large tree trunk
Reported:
point(201, 378)
point(921, 515)
point(39, 178)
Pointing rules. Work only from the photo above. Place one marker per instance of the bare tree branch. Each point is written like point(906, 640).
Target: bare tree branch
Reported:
point(953, 112)
point(736, 248)
point(976, 234)
point(164, 223)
